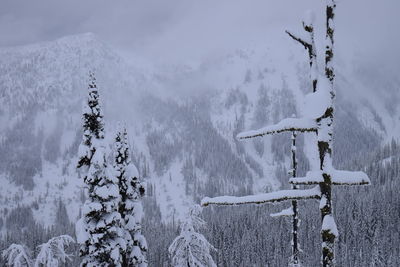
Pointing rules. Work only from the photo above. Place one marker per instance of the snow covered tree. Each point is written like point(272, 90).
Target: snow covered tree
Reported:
point(377, 257)
point(53, 252)
point(17, 256)
point(93, 127)
point(318, 119)
point(190, 248)
point(130, 207)
point(99, 230)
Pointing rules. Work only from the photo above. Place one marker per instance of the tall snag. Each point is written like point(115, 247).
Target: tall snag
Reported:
point(319, 115)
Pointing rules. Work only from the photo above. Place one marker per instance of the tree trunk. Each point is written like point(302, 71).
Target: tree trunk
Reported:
point(325, 131)
point(295, 217)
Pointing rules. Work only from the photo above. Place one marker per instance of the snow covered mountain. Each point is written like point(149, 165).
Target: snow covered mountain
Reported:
point(181, 119)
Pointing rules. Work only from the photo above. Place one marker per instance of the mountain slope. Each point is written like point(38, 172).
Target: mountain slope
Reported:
point(181, 119)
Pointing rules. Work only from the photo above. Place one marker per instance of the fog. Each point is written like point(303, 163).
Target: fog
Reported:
point(182, 30)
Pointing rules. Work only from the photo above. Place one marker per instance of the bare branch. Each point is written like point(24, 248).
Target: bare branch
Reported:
point(306, 45)
point(278, 196)
point(286, 125)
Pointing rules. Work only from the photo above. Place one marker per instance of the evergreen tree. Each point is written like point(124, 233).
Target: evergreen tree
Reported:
point(99, 230)
point(93, 127)
point(52, 253)
point(130, 207)
point(191, 249)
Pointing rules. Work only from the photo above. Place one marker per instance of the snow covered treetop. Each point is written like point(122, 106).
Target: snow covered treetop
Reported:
point(92, 80)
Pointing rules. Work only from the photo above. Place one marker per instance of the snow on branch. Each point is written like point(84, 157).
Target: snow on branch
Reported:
point(54, 252)
point(329, 225)
point(277, 196)
point(350, 178)
point(312, 177)
point(16, 255)
point(283, 213)
point(338, 178)
point(286, 125)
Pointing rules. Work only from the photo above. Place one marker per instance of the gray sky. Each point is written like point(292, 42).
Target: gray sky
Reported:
point(177, 30)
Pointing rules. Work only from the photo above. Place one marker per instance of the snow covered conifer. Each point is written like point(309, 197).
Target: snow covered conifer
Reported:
point(17, 256)
point(53, 252)
point(93, 127)
point(99, 230)
point(191, 249)
point(130, 208)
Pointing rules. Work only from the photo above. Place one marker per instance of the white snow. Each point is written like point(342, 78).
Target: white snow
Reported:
point(288, 124)
point(264, 198)
point(338, 177)
point(315, 104)
point(329, 224)
point(283, 213)
point(53, 252)
point(17, 255)
point(349, 177)
point(80, 231)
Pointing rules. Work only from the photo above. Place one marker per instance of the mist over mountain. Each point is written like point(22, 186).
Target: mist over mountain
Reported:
point(182, 120)
point(219, 97)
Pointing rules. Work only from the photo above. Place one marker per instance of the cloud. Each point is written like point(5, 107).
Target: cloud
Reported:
point(179, 30)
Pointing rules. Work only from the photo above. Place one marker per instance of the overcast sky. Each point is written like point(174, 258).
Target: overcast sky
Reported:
point(181, 29)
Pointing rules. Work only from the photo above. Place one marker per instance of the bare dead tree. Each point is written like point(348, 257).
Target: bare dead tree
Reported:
point(318, 120)
point(309, 44)
point(293, 211)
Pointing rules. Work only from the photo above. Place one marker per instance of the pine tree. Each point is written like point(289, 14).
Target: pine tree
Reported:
point(102, 236)
point(99, 230)
point(93, 127)
point(190, 248)
point(130, 208)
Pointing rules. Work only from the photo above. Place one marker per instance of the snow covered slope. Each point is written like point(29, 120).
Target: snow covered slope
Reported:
point(181, 120)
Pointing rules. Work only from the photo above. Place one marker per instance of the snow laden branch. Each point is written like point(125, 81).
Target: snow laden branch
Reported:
point(278, 196)
point(53, 252)
point(286, 125)
point(283, 213)
point(337, 178)
point(190, 248)
point(16, 256)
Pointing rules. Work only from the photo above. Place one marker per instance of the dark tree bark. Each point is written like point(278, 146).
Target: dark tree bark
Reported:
point(295, 216)
point(325, 132)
